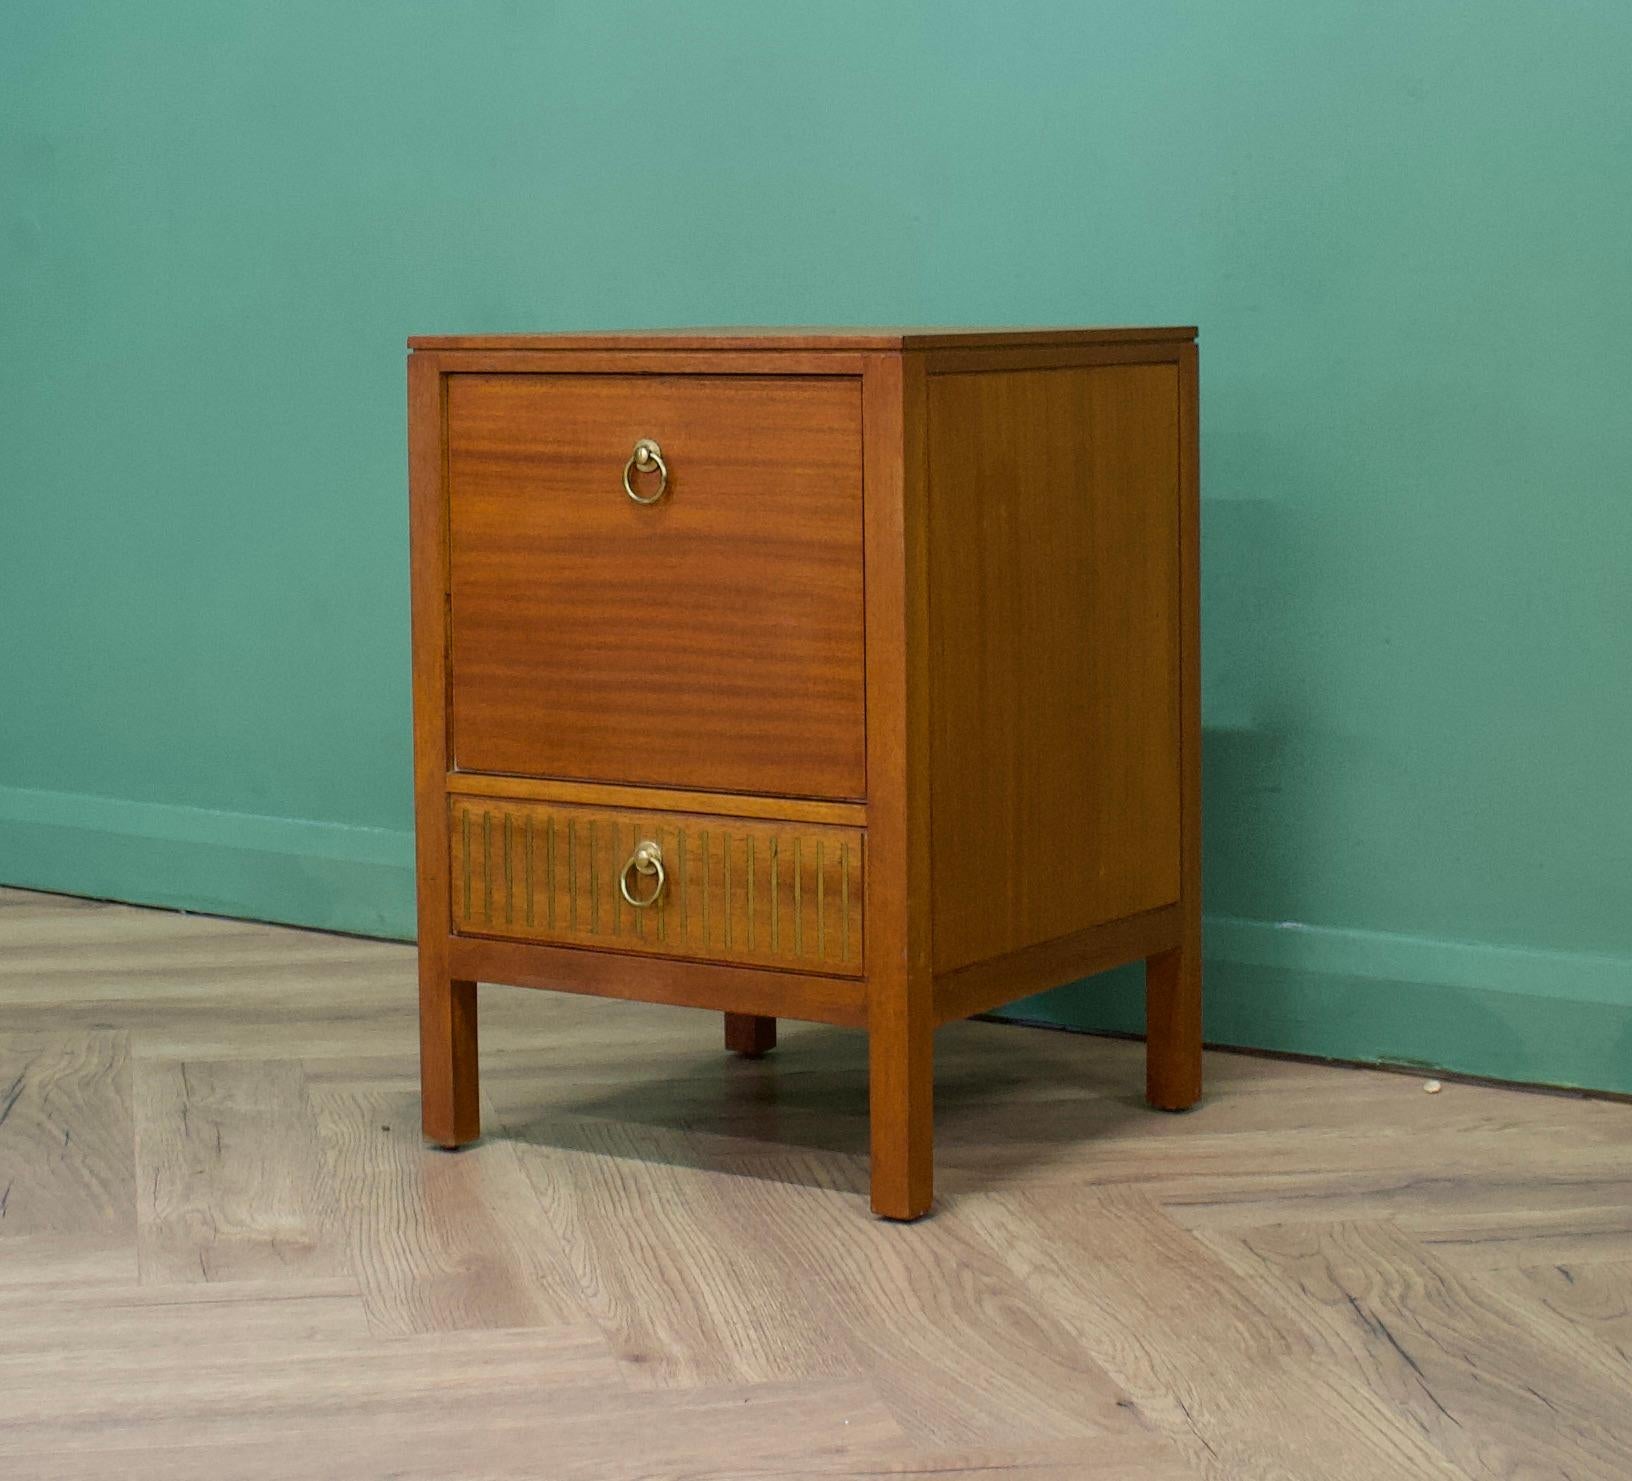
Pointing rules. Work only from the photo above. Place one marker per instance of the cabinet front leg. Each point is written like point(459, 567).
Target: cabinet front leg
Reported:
point(901, 1076)
point(749, 1035)
point(1173, 1026)
point(448, 1083)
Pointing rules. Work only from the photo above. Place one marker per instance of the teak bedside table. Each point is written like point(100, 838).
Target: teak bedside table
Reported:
point(844, 676)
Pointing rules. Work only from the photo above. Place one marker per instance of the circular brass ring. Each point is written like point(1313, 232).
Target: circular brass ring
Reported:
point(646, 859)
point(646, 456)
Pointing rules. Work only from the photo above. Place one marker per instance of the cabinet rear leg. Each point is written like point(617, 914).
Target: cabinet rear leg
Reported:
point(448, 1085)
point(1173, 1027)
point(749, 1035)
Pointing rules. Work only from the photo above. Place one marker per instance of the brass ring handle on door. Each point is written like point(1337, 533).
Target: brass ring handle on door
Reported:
point(646, 456)
point(646, 859)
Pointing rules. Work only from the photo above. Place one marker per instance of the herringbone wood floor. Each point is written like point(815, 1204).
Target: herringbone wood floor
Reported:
point(224, 1252)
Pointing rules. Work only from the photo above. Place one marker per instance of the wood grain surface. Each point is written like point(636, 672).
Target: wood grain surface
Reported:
point(1054, 653)
point(449, 1109)
point(734, 889)
point(1173, 977)
point(710, 640)
point(230, 1176)
point(65, 1107)
point(900, 985)
point(224, 1249)
point(768, 992)
point(614, 794)
point(795, 338)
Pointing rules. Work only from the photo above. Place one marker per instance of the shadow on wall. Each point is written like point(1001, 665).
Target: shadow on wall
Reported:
point(1287, 966)
point(1244, 576)
point(1245, 762)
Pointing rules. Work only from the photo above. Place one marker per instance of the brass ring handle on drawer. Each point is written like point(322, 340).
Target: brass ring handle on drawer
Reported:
point(646, 456)
point(647, 859)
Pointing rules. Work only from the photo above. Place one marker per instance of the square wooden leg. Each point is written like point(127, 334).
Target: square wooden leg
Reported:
point(1173, 1027)
point(901, 1082)
point(448, 1085)
point(749, 1035)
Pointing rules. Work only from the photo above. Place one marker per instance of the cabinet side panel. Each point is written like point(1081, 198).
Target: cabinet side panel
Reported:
point(1054, 652)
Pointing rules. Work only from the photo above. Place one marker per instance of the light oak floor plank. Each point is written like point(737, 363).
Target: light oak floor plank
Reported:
point(1236, 1383)
point(1514, 1238)
point(230, 1177)
point(1492, 1392)
point(439, 1240)
point(67, 1151)
point(1594, 1300)
point(1104, 1458)
point(956, 1345)
point(682, 1305)
point(80, 1259)
point(49, 1321)
point(537, 1404)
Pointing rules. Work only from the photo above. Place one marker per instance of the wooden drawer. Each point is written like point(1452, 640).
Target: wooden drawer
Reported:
point(736, 890)
point(711, 640)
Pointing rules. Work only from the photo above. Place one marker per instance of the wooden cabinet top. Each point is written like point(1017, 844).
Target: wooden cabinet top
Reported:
point(800, 338)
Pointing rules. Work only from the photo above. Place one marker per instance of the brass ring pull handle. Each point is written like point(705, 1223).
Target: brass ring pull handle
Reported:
point(647, 859)
point(646, 456)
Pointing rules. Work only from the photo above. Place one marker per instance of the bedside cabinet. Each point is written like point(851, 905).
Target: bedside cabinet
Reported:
point(840, 676)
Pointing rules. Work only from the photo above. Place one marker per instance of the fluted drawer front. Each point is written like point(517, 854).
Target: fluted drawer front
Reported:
point(741, 890)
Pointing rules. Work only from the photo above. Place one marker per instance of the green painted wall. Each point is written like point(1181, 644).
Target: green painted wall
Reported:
point(1403, 228)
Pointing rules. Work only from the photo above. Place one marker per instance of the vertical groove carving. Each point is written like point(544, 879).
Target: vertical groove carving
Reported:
point(735, 905)
point(725, 906)
point(527, 871)
point(798, 898)
point(509, 875)
point(594, 877)
point(664, 902)
point(487, 865)
point(776, 901)
point(464, 826)
point(572, 874)
point(821, 901)
point(844, 899)
point(685, 910)
point(617, 898)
